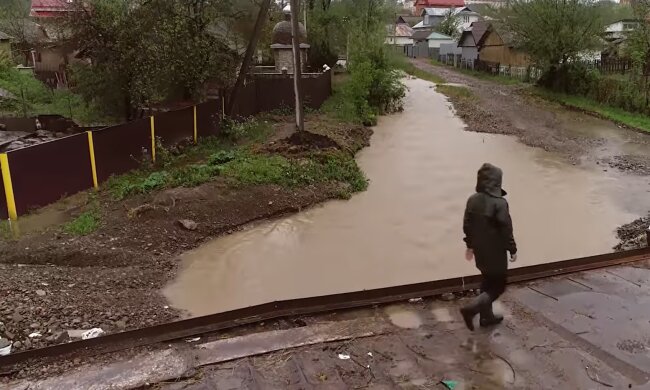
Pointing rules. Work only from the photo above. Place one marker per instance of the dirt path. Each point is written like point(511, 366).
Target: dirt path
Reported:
point(508, 109)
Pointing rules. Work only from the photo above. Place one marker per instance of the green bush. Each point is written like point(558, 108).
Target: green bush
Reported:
point(31, 97)
point(575, 79)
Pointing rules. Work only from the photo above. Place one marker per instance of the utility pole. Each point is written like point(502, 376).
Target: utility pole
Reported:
point(297, 66)
point(250, 50)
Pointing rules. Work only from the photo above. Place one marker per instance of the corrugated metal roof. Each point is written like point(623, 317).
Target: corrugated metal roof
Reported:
point(441, 3)
point(403, 30)
point(50, 8)
point(419, 25)
point(421, 35)
point(444, 11)
point(478, 29)
point(437, 36)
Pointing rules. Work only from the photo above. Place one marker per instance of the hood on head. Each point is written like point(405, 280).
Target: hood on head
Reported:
point(489, 180)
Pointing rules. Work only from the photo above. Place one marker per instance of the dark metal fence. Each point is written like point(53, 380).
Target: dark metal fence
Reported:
point(38, 175)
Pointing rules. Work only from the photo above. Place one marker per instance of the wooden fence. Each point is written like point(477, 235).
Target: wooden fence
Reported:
point(42, 174)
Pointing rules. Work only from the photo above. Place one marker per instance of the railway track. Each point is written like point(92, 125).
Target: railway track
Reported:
point(306, 306)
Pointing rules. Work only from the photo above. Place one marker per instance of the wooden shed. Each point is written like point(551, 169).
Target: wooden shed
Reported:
point(498, 47)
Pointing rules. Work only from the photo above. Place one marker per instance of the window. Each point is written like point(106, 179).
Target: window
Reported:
point(466, 18)
point(629, 26)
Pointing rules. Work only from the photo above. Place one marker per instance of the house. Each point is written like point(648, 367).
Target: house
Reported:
point(5, 45)
point(411, 20)
point(498, 47)
point(468, 41)
point(422, 4)
point(399, 35)
point(431, 17)
point(620, 29)
point(435, 40)
point(51, 54)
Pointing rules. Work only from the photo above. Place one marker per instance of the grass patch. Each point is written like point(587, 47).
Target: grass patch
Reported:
point(339, 106)
point(405, 65)
point(456, 92)
point(246, 168)
point(637, 121)
point(84, 224)
point(265, 169)
point(196, 165)
point(482, 75)
point(5, 230)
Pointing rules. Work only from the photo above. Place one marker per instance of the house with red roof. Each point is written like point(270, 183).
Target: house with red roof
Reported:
point(422, 4)
point(51, 8)
point(51, 53)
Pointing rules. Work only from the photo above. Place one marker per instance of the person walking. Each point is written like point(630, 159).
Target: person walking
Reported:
point(489, 238)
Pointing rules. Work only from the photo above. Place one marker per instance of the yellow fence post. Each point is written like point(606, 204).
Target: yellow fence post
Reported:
point(153, 140)
point(93, 166)
point(196, 132)
point(9, 188)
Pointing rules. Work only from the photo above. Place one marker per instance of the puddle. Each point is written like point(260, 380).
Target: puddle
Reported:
point(407, 227)
point(49, 216)
point(403, 318)
point(442, 314)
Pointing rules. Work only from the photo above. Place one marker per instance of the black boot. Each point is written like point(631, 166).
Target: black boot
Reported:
point(477, 306)
point(488, 318)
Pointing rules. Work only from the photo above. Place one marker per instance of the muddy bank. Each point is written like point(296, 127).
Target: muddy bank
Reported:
point(53, 282)
point(511, 109)
point(633, 235)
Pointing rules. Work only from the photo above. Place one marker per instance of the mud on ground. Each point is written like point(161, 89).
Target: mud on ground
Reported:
point(53, 282)
point(510, 109)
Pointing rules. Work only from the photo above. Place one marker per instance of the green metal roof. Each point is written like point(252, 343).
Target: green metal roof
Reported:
point(438, 36)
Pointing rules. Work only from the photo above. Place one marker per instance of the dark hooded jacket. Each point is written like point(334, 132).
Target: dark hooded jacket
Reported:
point(487, 223)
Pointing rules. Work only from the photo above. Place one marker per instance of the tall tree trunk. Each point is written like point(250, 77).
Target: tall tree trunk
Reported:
point(250, 50)
point(297, 64)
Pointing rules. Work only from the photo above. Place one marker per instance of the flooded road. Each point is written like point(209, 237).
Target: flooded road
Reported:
point(407, 227)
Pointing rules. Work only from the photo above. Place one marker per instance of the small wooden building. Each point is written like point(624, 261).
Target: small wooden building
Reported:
point(498, 47)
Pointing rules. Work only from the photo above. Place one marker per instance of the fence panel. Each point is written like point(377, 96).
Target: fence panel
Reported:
point(317, 90)
point(44, 173)
point(175, 126)
point(27, 125)
point(275, 92)
point(246, 103)
point(208, 118)
point(122, 148)
point(4, 214)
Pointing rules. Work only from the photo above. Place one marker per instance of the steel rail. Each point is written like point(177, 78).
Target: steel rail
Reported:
point(309, 306)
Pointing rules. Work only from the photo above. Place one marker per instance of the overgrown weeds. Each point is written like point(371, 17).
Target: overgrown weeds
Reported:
point(266, 169)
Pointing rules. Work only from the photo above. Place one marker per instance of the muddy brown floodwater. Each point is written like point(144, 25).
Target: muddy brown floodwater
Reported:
point(407, 227)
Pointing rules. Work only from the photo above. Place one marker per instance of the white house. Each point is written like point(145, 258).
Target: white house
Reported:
point(621, 28)
point(433, 16)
